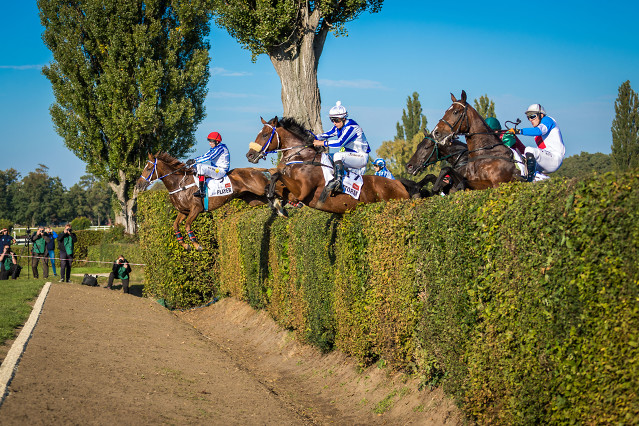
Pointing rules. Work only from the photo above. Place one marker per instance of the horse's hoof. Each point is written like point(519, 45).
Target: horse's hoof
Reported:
point(187, 247)
point(200, 249)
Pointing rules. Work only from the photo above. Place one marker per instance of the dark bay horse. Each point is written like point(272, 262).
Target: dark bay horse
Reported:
point(429, 152)
point(490, 162)
point(301, 171)
point(249, 184)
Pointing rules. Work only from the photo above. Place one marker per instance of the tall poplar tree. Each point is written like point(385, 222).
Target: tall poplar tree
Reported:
point(485, 107)
point(292, 33)
point(625, 129)
point(129, 77)
point(413, 121)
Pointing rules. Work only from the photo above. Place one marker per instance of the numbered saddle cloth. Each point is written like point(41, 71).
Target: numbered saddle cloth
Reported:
point(219, 187)
point(352, 184)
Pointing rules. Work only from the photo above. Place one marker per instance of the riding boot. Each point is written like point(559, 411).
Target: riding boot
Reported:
point(531, 165)
point(336, 183)
point(201, 193)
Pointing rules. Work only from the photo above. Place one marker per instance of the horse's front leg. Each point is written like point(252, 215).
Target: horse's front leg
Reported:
point(176, 228)
point(195, 211)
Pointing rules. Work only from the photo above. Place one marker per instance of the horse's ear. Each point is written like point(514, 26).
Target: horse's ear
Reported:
point(452, 97)
point(276, 121)
point(463, 98)
point(263, 121)
point(150, 156)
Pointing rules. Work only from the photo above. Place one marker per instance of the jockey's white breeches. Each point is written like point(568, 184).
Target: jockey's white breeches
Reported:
point(352, 160)
point(210, 171)
point(547, 161)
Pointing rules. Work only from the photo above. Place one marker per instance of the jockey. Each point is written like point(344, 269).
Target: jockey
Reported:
point(220, 159)
point(380, 169)
point(349, 136)
point(550, 151)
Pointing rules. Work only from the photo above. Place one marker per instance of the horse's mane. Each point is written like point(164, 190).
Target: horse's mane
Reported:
point(172, 162)
point(290, 124)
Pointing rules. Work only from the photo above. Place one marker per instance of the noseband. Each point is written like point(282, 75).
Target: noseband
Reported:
point(261, 151)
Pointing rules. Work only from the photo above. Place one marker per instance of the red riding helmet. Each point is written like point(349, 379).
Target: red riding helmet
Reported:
point(215, 136)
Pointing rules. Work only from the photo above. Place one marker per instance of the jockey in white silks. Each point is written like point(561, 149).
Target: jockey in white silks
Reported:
point(220, 162)
point(550, 151)
point(349, 136)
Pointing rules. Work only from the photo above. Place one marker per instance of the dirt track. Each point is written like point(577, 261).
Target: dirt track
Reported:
point(99, 356)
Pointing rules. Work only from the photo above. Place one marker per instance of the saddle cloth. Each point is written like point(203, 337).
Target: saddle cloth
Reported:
point(352, 182)
point(218, 187)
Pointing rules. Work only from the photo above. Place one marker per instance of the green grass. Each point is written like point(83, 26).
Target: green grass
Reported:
point(14, 307)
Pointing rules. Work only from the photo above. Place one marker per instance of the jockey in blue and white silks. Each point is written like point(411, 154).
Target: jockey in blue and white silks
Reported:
point(550, 150)
point(349, 136)
point(380, 169)
point(219, 158)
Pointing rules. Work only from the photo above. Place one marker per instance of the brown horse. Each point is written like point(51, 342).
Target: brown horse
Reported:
point(301, 170)
point(248, 184)
point(490, 162)
point(429, 152)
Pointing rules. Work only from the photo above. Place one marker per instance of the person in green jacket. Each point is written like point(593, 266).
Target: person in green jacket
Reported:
point(66, 246)
point(120, 270)
point(40, 240)
point(8, 264)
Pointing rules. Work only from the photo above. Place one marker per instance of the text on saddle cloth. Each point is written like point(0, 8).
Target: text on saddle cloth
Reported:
point(218, 187)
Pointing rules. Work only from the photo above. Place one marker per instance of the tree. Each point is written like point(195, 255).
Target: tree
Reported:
point(584, 165)
point(485, 107)
point(38, 197)
point(128, 78)
point(413, 120)
point(9, 180)
point(292, 34)
point(625, 129)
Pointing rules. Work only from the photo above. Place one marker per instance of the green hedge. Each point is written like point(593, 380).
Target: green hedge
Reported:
point(108, 252)
point(522, 301)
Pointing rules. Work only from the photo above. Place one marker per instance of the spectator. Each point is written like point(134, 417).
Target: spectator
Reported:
point(40, 240)
point(66, 243)
point(8, 264)
point(5, 238)
point(51, 248)
point(121, 270)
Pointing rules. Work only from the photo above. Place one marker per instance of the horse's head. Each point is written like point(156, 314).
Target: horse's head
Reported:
point(426, 153)
point(455, 120)
point(266, 140)
point(149, 173)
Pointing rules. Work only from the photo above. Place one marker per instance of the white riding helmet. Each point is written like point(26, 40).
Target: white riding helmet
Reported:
point(535, 109)
point(338, 111)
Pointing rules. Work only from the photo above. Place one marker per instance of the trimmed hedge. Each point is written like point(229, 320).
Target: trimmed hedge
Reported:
point(521, 301)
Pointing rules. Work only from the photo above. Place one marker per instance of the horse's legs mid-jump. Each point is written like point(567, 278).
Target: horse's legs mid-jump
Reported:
point(193, 213)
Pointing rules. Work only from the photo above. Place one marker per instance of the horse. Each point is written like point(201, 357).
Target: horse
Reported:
point(248, 184)
point(429, 152)
point(300, 168)
point(490, 162)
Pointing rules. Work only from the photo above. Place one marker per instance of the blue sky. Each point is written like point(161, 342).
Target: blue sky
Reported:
point(570, 57)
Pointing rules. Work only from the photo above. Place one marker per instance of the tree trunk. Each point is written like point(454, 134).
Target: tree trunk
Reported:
point(126, 215)
point(296, 64)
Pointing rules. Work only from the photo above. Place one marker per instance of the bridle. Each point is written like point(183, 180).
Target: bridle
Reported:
point(262, 152)
point(457, 122)
point(155, 170)
point(435, 152)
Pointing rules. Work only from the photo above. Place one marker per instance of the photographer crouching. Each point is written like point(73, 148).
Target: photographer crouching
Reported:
point(8, 264)
point(120, 270)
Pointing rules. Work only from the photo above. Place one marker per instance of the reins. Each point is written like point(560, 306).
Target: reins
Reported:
point(155, 170)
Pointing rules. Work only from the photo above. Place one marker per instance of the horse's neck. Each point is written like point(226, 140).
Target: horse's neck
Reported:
point(174, 181)
point(480, 134)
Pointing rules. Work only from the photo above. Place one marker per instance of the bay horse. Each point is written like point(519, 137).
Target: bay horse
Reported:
point(300, 168)
point(490, 162)
point(248, 184)
point(429, 152)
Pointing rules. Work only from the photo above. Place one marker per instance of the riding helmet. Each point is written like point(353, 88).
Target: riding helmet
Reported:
point(379, 162)
point(535, 109)
point(215, 136)
point(493, 123)
point(338, 111)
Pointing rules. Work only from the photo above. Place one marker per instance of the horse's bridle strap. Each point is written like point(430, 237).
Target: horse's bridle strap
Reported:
point(182, 188)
